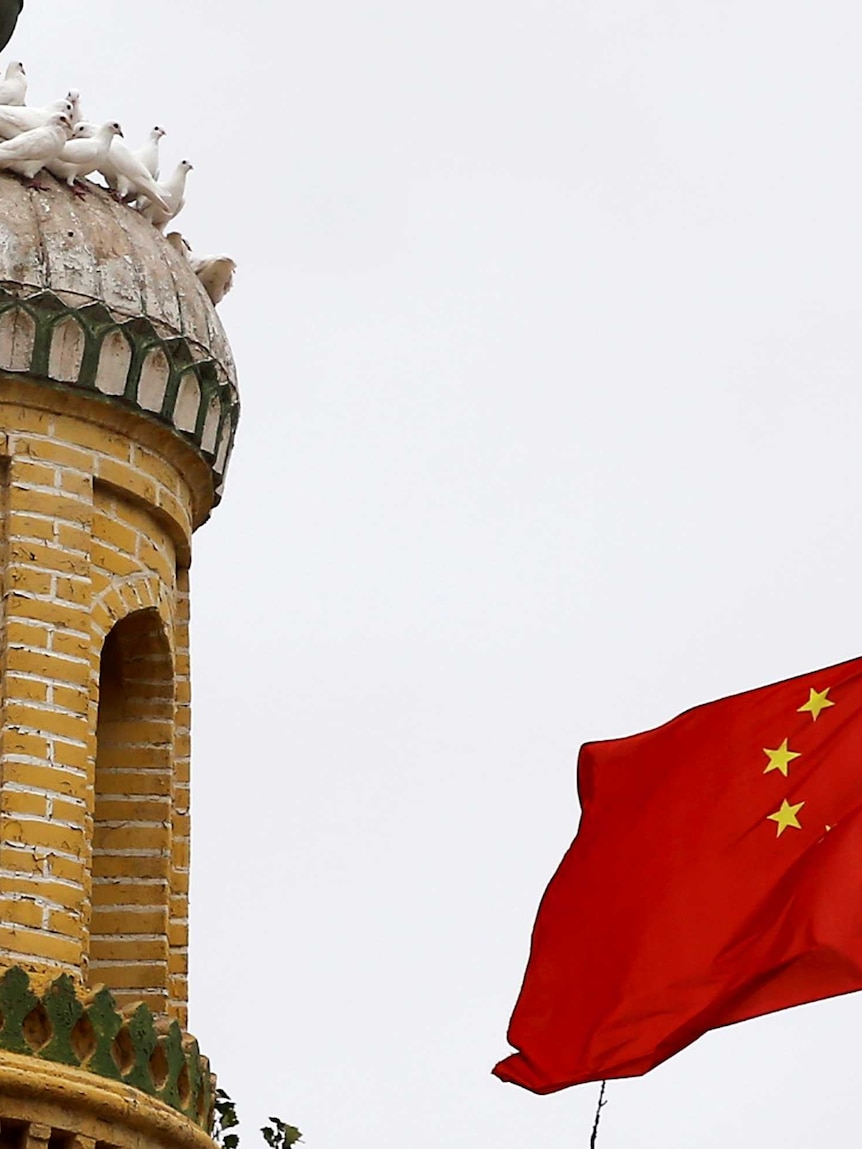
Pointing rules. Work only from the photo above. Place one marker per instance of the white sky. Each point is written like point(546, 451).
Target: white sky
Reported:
point(548, 326)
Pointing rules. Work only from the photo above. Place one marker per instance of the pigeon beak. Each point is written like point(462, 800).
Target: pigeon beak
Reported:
point(120, 132)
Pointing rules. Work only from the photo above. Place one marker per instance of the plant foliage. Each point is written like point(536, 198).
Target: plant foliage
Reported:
point(278, 1134)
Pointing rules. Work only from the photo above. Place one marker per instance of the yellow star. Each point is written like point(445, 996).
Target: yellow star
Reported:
point(786, 816)
point(779, 759)
point(817, 701)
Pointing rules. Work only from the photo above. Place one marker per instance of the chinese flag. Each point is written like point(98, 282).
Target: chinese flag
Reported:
point(716, 876)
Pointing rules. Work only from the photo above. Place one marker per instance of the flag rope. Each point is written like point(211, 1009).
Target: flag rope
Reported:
point(602, 1103)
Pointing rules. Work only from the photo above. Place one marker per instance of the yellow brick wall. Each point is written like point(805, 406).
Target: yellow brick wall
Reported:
point(4, 486)
point(94, 807)
point(180, 806)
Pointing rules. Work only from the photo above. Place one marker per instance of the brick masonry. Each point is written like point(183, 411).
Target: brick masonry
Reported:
point(98, 508)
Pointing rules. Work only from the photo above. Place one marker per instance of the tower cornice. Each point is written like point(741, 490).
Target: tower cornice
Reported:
point(93, 297)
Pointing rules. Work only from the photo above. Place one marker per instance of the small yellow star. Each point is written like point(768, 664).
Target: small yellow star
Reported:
point(817, 701)
point(779, 759)
point(786, 816)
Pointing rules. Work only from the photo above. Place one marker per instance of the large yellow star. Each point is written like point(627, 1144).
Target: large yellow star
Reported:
point(817, 701)
point(786, 816)
point(779, 759)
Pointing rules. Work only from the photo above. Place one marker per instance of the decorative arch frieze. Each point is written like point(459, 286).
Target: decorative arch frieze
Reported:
point(126, 360)
point(64, 1024)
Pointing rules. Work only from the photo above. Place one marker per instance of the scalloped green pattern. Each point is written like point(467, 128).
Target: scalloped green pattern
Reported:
point(195, 396)
point(144, 1050)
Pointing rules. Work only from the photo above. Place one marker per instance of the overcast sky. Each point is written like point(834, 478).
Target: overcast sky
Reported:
point(548, 320)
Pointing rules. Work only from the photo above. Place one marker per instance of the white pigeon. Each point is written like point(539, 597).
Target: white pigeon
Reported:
point(74, 98)
point(148, 153)
point(29, 151)
point(173, 193)
point(13, 87)
point(122, 169)
point(214, 271)
point(14, 120)
point(83, 155)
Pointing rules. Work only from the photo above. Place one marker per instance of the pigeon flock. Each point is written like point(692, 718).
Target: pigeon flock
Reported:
point(56, 138)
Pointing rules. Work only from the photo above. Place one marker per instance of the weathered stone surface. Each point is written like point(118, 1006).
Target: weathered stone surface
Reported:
point(44, 1104)
point(93, 297)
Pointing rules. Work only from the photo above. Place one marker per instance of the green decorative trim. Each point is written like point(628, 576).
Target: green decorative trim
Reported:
point(210, 416)
point(64, 1011)
point(145, 1050)
point(17, 1002)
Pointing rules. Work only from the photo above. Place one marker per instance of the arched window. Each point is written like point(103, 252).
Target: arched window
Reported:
point(132, 831)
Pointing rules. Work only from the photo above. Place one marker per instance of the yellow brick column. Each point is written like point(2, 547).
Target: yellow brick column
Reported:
point(45, 822)
point(95, 707)
point(118, 410)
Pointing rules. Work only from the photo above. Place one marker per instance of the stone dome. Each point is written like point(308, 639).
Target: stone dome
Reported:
point(92, 296)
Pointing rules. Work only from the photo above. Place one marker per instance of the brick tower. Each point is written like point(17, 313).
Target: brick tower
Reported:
point(118, 407)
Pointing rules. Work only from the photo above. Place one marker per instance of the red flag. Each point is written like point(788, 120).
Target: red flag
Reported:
point(716, 876)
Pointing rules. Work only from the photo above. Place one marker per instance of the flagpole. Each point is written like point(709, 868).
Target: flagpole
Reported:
point(602, 1103)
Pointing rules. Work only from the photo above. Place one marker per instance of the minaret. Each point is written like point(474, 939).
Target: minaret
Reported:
point(118, 408)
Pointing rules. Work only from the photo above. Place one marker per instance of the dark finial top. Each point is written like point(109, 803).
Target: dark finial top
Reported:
point(10, 10)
